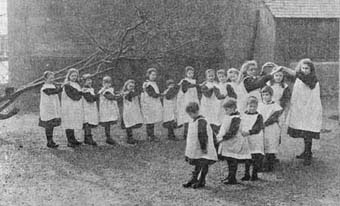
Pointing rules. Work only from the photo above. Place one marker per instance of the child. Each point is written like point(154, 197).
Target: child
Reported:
point(49, 108)
point(199, 150)
point(151, 104)
point(71, 107)
point(232, 145)
point(305, 113)
point(233, 76)
point(169, 105)
point(252, 126)
point(132, 116)
point(270, 112)
point(210, 104)
point(91, 116)
point(187, 93)
point(108, 108)
point(281, 91)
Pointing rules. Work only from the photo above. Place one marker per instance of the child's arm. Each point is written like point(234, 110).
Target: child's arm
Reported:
point(274, 118)
point(131, 95)
point(251, 84)
point(89, 97)
point(52, 91)
point(233, 129)
point(203, 134)
point(151, 92)
point(258, 126)
point(218, 93)
point(284, 100)
point(171, 93)
point(206, 91)
point(9, 114)
point(187, 85)
point(112, 97)
point(231, 92)
point(73, 93)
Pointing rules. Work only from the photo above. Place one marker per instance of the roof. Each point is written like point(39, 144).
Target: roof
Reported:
point(304, 8)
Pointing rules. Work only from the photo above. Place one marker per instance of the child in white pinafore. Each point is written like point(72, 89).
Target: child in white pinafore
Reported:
point(232, 145)
point(199, 150)
point(72, 107)
point(233, 78)
point(186, 94)
point(49, 108)
point(169, 108)
point(252, 129)
point(108, 108)
point(91, 115)
point(271, 112)
point(152, 108)
point(132, 115)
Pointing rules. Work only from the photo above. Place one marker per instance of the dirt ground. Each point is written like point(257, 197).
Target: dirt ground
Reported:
point(152, 173)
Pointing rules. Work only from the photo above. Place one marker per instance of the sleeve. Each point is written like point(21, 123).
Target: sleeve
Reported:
point(284, 100)
point(274, 118)
point(151, 92)
point(110, 96)
point(231, 92)
point(131, 95)
point(52, 91)
point(89, 97)
point(186, 85)
point(171, 93)
point(218, 93)
point(9, 114)
point(202, 133)
point(233, 129)
point(258, 126)
point(206, 91)
point(73, 93)
point(252, 84)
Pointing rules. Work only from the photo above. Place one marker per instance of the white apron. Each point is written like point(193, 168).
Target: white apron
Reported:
point(72, 111)
point(169, 109)
point(108, 109)
point(152, 108)
point(193, 148)
point(49, 104)
point(91, 114)
point(210, 106)
point(241, 95)
point(256, 141)
point(236, 147)
point(183, 99)
point(305, 111)
point(272, 132)
point(131, 112)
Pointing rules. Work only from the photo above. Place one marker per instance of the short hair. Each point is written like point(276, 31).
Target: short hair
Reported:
point(233, 70)
point(221, 71)
point(252, 100)
point(47, 73)
point(192, 107)
point(86, 77)
point(169, 82)
point(231, 103)
point(107, 79)
point(209, 71)
point(267, 89)
point(150, 70)
point(189, 68)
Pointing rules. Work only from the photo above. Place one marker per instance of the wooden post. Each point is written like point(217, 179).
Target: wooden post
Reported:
point(339, 73)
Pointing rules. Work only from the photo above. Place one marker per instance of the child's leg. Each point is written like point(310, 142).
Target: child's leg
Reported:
point(247, 170)
point(257, 166)
point(194, 177)
point(49, 136)
point(109, 140)
point(304, 153)
point(150, 131)
point(71, 138)
point(171, 132)
point(232, 167)
point(185, 132)
point(201, 181)
point(129, 134)
point(88, 135)
point(308, 149)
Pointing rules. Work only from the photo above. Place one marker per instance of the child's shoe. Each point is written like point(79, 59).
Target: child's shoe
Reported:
point(131, 140)
point(89, 141)
point(173, 138)
point(246, 177)
point(110, 141)
point(52, 145)
point(193, 179)
point(154, 138)
point(230, 181)
point(254, 177)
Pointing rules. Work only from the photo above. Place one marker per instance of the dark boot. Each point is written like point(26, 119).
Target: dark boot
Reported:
point(308, 155)
point(194, 177)
point(304, 153)
point(185, 132)
point(71, 140)
point(232, 165)
point(88, 139)
point(247, 170)
point(150, 131)
point(201, 181)
point(130, 139)
point(171, 134)
point(258, 159)
point(266, 163)
point(271, 162)
point(109, 139)
point(49, 137)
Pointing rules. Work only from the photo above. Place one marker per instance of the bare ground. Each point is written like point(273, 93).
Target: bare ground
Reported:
point(152, 173)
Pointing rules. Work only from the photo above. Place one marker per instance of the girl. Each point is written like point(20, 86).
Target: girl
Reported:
point(187, 93)
point(151, 104)
point(169, 105)
point(270, 112)
point(305, 113)
point(199, 150)
point(49, 108)
point(108, 108)
point(233, 76)
point(132, 116)
point(252, 125)
point(232, 145)
point(281, 91)
point(71, 107)
point(91, 116)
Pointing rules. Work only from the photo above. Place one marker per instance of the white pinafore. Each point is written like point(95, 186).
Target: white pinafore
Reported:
point(256, 141)
point(131, 112)
point(183, 99)
point(241, 95)
point(277, 91)
point(210, 106)
point(108, 109)
point(72, 111)
point(152, 108)
point(243, 100)
point(236, 147)
point(169, 109)
point(49, 104)
point(193, 148)
point(272, 132)
point(91, 114)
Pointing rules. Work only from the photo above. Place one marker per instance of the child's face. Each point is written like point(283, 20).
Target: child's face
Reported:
point(278, 77)
point(73, 77)
point(222, 78)
point(305, 69)
point(152, 76)
point(233, 76)
point(266, 97)
point(252, 71)
point(131, 87)
point(252, 107)
point(88, 82)
point(210, 77)
point(190, 74)
point(50, 78)
point(106, 84)
point(229, 111)
point(193, 115)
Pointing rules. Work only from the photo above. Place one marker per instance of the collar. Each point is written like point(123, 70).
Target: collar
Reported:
point(271, 102)
point(235, 113)
point(251, 113)
point(198, 117)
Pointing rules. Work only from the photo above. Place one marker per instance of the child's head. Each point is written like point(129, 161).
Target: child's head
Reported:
point(221, 75)
point(267, 94)
point(72, 75)
point(278, 77)
point(252, 104)
point(230, 106)
point(250, 68)
point(48, 76)
point(233, 74)
point(170, 83)
point(107, 81)
point(210, 75)
point(306, 66)
point(193, 110)
point(151, 74)
point(189, 72)
point(87, 81)
point(129, 85)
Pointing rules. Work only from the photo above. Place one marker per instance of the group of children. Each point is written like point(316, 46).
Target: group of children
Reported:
point(238, 117)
